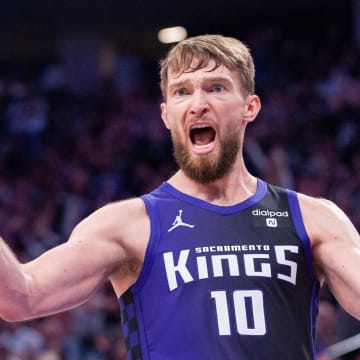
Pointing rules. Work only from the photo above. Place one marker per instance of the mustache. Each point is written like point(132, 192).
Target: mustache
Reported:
point(198, 118)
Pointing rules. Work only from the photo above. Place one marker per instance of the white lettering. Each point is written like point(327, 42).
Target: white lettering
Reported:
point(257, 309)
point(232, 248)
point(202, 267)
point(249, 263)
point(180, 268)
point(247, 304)
point(270, 213)
point(217, 263)
point(281, 259)
point(183, 268)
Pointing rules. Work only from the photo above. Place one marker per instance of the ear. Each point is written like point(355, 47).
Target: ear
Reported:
point(164, 115)
point(253, 106)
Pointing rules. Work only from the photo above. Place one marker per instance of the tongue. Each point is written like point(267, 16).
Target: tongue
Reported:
point(202, 136)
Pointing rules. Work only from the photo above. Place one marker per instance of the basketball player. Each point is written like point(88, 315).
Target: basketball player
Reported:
point(215, 263)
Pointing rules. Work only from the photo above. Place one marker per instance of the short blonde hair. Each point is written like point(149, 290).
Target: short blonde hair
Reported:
point(227, 51)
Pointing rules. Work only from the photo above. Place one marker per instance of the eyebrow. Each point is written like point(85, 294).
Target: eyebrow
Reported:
point(219, 79)
point(180, 83)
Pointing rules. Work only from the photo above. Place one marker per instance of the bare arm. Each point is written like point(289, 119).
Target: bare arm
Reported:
point(336, 250)
point(98, 249)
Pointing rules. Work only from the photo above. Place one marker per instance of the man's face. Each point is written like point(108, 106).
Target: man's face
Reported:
point(205, 114)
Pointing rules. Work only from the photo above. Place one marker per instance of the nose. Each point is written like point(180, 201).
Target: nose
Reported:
point(199, 104)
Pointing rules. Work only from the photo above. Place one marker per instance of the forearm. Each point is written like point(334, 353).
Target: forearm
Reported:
point(46, 285)
point(14, 286)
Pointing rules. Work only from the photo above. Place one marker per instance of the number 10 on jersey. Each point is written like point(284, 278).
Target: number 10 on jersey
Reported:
point(248, 309)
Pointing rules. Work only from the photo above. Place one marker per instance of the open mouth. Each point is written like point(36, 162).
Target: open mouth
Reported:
point(202, 135)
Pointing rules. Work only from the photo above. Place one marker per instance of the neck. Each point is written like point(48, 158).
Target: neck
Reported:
point(232, 189)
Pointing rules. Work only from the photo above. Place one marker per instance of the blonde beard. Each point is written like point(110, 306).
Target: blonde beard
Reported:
point(207, 168)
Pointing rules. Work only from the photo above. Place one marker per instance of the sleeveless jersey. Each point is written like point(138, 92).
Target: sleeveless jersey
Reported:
point(223, 282)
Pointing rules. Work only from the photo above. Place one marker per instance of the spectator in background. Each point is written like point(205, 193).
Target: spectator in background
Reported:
point(208, 88)
point(307, 104)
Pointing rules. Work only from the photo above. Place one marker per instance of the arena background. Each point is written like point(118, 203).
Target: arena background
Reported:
point(80, 126)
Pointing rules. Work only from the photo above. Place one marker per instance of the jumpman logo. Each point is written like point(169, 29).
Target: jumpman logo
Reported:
point(179, 222)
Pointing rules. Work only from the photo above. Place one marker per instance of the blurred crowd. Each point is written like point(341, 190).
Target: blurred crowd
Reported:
point(63, 155)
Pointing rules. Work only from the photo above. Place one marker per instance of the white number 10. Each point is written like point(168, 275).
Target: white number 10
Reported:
point(255, 298)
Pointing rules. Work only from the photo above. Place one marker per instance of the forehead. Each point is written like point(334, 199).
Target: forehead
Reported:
point(207, 71)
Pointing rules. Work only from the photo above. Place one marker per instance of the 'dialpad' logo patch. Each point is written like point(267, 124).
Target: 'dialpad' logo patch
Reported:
point(272, 217)
point(270, 213)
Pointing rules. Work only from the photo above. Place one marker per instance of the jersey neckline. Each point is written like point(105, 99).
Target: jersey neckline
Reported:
point(222, 209)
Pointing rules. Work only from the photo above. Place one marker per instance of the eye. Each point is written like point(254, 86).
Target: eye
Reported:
point(181, 92)
point(218, 88)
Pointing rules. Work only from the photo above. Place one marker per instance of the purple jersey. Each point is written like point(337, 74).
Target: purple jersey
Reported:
point(223, 282)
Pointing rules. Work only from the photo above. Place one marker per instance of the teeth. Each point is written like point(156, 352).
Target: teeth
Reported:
point(196, 146)
point(200, 126)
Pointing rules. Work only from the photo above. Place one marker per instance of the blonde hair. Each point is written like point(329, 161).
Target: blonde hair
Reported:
point(227, 51)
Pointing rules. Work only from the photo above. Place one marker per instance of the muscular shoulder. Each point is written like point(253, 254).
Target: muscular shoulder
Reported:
point(331, 232)
point(323, 219)
point(124, 223)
